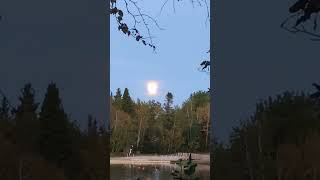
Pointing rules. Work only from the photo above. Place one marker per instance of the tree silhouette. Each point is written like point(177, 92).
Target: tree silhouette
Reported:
point(4, 109)
point(127, 103)
point(55, 128)
point(26, 119)
point(117, 99)
point(302, 12)
point(316, 95)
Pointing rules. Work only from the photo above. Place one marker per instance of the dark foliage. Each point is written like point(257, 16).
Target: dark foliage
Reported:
point(48, 145)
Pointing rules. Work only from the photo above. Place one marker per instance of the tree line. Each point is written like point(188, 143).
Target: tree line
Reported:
point(42, 142)
point(158, 128)
point(280, 141)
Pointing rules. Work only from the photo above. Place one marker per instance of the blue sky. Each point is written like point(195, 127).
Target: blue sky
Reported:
point(180, 49)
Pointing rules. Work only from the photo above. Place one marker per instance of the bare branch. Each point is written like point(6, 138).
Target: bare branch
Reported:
point(138, 17)
point(163, 5)
point(141, 20)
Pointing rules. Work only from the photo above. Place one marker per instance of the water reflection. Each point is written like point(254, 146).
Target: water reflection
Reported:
point(151, 172)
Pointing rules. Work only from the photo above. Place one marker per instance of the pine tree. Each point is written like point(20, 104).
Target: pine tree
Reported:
point(117, 100)
point(92, 126)
point(95, 127)
point(4, 109)
point(55, 139)
point(27, 108)
point(26, 119)
point(168, 109)
point(127, 103)
point(90, 119)
point(169, 122)
point(6, 125)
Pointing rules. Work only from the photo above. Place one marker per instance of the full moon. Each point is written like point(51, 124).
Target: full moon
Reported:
point(152, 88)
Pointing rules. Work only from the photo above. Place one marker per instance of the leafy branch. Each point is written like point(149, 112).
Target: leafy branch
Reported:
point(303, 11)
point(138, 18)
point(205, 65)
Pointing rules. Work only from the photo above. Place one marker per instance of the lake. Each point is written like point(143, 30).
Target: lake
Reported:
point(151, 172)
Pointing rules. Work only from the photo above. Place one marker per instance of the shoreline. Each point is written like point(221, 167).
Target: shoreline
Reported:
point(203, 159)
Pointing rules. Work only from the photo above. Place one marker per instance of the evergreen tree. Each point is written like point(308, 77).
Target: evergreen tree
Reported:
point(27, 108)
point(168, 109)
point(4, 109)
point(127, 103)
point(90, 119)
point(92, 126)
point(95, 127)
point(26, 119)
point(6, 125)
point(117, 100)
point(169, 124)
point(55, 139)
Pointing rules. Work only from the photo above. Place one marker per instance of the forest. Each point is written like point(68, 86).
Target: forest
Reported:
point(155, 128)
point(280, 140)
point(40, 141)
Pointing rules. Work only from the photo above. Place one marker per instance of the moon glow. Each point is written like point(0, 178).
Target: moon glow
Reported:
point(152, 88)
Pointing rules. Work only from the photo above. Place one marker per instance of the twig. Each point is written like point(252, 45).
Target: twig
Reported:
point(163, 5)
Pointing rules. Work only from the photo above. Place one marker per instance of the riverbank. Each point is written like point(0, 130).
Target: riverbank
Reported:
point(160, 159)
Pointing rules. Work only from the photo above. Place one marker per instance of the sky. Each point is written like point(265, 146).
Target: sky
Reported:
point(43, 41)
point(181, 47)
point(63, 41)
point(254, 58)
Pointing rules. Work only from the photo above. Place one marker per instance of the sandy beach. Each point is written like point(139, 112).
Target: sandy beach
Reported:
point(160, 159)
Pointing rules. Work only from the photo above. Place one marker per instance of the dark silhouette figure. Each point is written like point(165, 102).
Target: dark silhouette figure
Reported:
point(130, 153)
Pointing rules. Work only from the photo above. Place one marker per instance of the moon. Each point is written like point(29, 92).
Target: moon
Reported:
point(152, 88)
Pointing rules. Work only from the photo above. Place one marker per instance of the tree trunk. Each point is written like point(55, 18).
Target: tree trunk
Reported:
point(207, 129)
point(21, 170)
point(314, 173)
point(173, 133)
point(139, 132)
point(116, 121)
point(279, 169)
point(260, 150)
point(191, 121)
point(248, 158)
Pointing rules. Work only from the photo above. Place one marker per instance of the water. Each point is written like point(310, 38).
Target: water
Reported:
point(151, 172)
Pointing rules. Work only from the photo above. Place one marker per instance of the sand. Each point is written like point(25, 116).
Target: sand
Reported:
point(160, 159)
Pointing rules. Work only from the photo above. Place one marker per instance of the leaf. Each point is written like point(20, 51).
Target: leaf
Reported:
point(120, 13)
point(138, 37)
point(124, 28)
point(114, 10)
point(135, 30)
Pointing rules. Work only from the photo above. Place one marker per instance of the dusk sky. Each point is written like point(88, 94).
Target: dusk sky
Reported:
point(60, 41)
point(63, 41)
point(180, 49)
point(255, 58)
